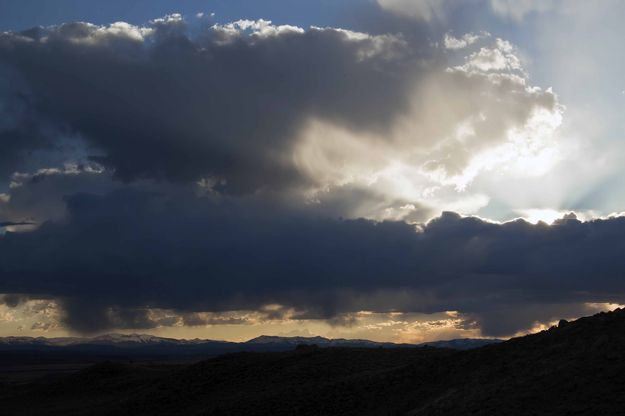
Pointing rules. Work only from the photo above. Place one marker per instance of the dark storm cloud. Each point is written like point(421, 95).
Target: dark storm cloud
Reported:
point(38, 197)
point(525, 316)
point(11, 300)
point(22, 130)
point(12, 224)
point(135, 250)
point(196, 319)
point(153, 102)
point(93, 315)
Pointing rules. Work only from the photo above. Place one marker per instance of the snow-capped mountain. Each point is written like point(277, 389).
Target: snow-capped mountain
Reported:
point(172, 346)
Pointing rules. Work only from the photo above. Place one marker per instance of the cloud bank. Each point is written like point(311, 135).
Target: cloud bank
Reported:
point(136, 250)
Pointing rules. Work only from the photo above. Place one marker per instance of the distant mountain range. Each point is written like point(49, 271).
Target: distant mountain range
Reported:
point(148, 344)
point(574, 368)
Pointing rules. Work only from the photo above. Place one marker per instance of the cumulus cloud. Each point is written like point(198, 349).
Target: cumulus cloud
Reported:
point(481, 116)
point(250, 106)
point(153, 102)
point(462, 42)
point(501, 57)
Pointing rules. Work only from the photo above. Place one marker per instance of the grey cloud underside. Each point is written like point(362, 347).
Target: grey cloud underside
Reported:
point(168, 106)
point(10, 223)
point(133, 250)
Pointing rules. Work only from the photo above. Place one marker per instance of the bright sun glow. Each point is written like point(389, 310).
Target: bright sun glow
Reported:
point(545, 215)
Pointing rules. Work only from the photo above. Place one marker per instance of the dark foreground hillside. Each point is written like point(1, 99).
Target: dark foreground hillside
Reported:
point(577, 368)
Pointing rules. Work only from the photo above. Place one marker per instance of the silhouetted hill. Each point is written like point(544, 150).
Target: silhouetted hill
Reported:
point(577, 368)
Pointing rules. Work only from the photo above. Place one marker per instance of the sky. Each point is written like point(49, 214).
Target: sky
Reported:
point(396, 170)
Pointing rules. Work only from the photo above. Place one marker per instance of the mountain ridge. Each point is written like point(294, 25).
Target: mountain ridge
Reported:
point(121, 340)
point(573, 368)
